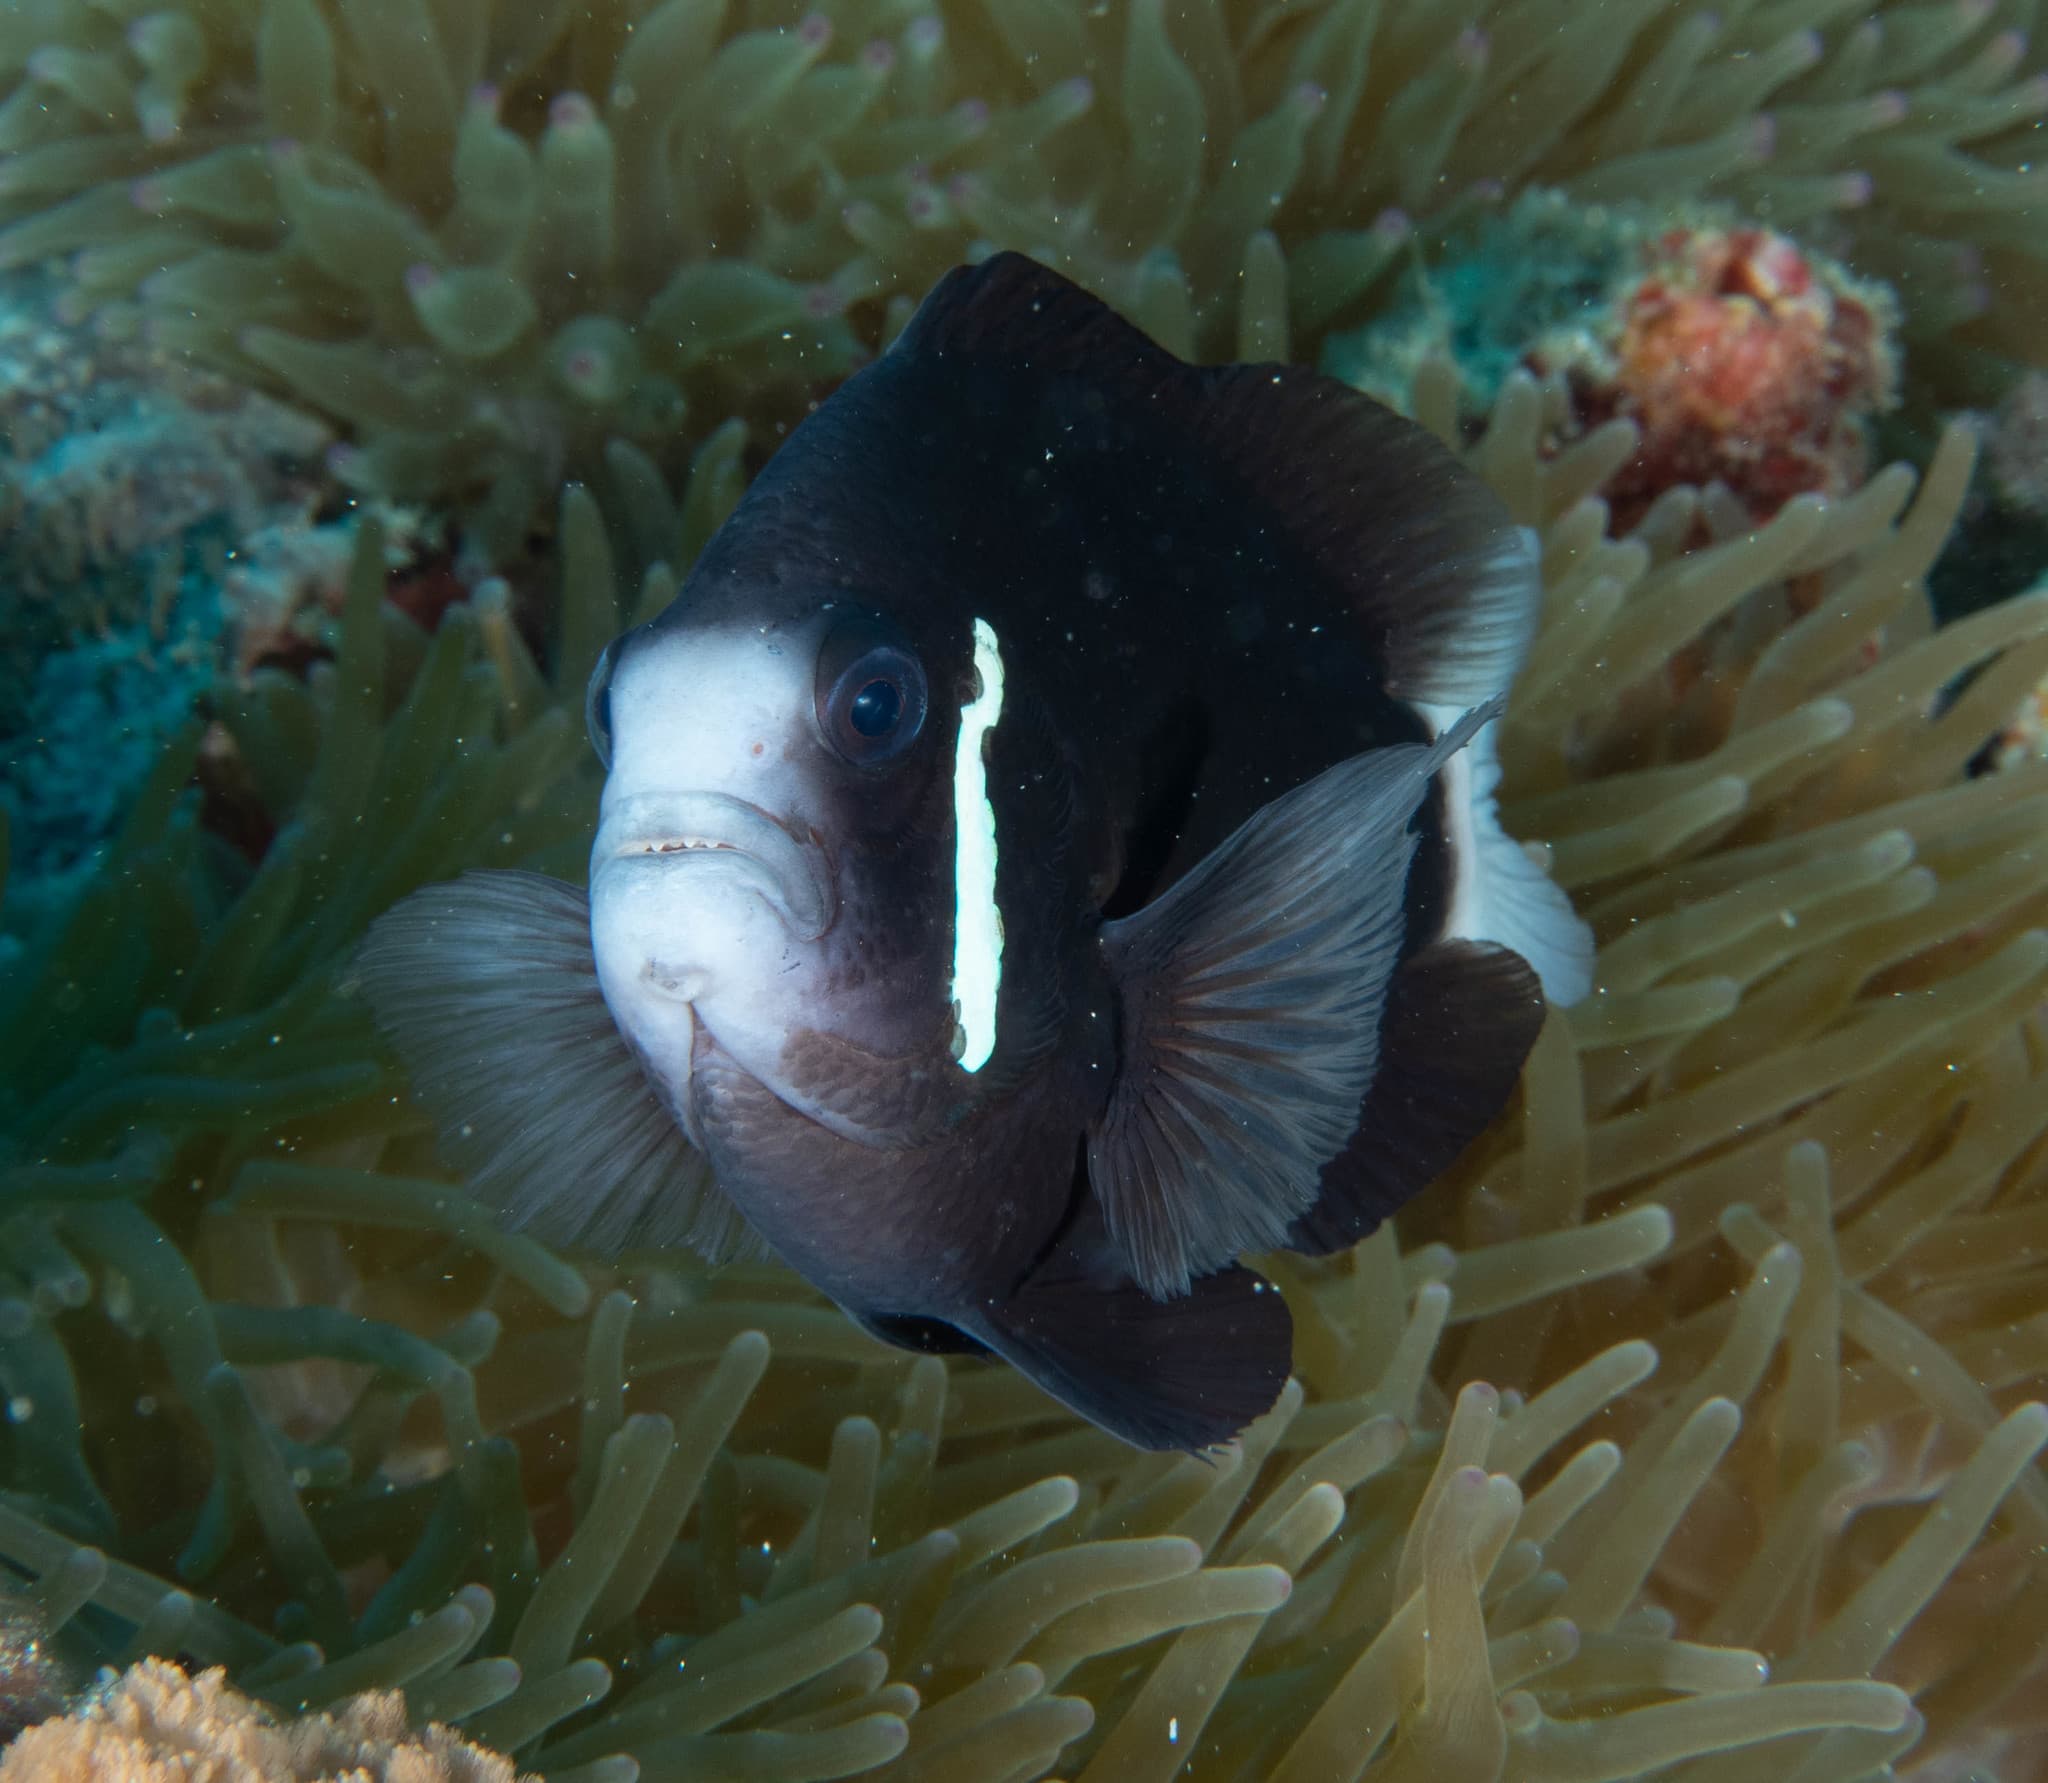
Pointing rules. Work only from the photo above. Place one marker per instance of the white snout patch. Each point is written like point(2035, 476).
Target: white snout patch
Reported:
point(697, 914)
point(977, 923)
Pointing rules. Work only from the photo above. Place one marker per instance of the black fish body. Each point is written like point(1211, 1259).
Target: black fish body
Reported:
point(1047, 851)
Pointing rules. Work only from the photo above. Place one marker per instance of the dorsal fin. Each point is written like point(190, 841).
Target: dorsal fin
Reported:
point(1010, 308)
point(1441, 579)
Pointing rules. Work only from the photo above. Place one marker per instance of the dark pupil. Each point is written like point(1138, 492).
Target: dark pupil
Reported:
point(876, 708)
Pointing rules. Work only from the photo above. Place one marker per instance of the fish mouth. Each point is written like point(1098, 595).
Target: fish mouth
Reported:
point(717, 833)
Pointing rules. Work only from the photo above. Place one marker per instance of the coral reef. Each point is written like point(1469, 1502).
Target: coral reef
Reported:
point(159, 526)
point(123, 471)
point(156, 1725)
point(95, 723)
point(1684, 1429)
point(101, 708)
point(1748, 364)
point(1744, 362)
point(493, 237)
point(1539, 276)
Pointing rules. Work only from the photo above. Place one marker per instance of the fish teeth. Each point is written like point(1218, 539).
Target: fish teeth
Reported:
point(794, 876)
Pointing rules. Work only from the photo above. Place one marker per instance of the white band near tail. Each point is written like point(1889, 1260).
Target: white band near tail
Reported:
point(1498, 893)
point(977, 923)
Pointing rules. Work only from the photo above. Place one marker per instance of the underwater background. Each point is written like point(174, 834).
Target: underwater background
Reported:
point(365, 364)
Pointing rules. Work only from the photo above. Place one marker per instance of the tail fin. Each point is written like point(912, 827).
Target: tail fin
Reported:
point(1461, 1017)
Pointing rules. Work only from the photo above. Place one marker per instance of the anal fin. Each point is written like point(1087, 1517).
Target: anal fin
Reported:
point(1461, 1018)
point(1186, 1373)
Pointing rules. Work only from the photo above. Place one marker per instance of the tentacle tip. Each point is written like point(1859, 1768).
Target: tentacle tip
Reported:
point(571, 111)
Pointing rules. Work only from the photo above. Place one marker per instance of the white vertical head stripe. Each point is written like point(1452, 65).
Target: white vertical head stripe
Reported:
point(977, 923)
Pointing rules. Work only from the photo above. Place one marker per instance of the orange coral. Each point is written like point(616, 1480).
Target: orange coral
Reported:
point(1744, 361)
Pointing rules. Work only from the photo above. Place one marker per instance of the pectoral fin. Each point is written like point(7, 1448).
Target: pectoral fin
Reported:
point(487, 988)
point(1251, 1001)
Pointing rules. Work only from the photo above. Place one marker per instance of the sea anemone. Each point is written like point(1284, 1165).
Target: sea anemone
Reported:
point(491, 238)
point(1687, 1420)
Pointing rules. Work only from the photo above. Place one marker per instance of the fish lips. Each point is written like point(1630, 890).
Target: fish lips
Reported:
point(716, 833)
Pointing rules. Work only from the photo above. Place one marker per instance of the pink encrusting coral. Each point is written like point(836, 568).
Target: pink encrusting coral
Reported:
point(1745, 361)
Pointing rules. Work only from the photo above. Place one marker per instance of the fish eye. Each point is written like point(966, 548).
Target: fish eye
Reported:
point(876, 708)
point(871, 691)
point(597, 703)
